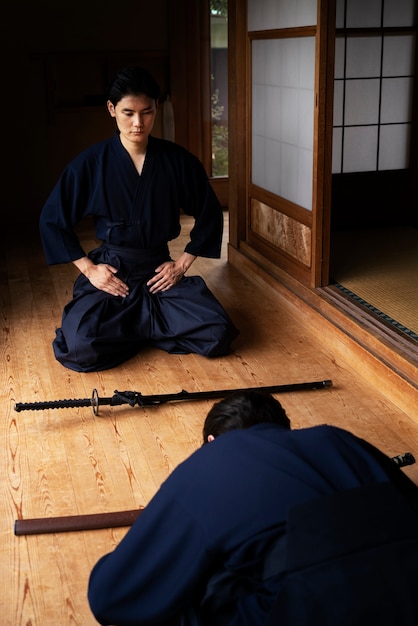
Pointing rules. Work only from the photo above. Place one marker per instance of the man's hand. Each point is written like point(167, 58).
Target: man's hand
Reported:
point(102, 276)
point(166, 275)
point(170, 273)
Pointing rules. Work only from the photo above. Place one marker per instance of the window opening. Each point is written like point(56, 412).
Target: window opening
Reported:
point(219, 86)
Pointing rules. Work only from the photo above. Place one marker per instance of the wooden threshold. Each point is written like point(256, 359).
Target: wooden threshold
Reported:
point(381, 355)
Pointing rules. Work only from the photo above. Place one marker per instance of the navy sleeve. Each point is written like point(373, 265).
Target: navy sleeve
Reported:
point(206, 235)
point(198, 199)
point(61, 212)
point(155, 572)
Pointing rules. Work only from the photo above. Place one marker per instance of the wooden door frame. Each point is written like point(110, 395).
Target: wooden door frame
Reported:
point(189, 53)
point(321, 227)
point(239, 145)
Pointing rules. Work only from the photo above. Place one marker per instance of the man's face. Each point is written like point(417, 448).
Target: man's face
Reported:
point(135, 117)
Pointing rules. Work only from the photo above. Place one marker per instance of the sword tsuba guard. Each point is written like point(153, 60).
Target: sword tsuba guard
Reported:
point(95, 402)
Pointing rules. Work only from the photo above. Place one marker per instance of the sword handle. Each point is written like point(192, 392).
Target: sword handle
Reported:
point(53, 404)
point(402, 460)
point(62, 404)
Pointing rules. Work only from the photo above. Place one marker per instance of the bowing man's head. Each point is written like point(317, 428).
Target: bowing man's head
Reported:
point(243, 409)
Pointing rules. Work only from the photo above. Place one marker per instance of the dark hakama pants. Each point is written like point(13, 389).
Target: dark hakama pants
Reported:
point(100, 331)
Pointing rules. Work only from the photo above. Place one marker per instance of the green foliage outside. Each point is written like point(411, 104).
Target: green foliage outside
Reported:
point(219, 139)
point(219, 131)
point(219, 7)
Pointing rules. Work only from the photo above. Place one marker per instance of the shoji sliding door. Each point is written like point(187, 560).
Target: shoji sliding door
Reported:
point(287, 56)
point(375, 116)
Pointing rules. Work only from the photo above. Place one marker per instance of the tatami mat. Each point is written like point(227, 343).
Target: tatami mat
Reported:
point(381, 268)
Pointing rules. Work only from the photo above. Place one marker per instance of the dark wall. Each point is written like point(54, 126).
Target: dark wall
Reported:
point(55, 59)
point(373, 200)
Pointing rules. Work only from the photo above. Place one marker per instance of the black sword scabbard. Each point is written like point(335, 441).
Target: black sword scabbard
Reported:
point(221, 393)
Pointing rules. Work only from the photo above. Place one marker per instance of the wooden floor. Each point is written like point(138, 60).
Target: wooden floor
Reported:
point(68, 461)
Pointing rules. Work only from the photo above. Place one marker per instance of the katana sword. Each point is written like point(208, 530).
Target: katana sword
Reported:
point(115, 519)
point(134, 398)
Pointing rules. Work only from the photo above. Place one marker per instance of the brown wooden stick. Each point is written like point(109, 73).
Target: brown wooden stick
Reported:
point(95, 521)
point(92, 521)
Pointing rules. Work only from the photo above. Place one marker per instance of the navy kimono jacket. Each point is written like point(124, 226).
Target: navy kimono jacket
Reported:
point(220, 543)
point(135, 217)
